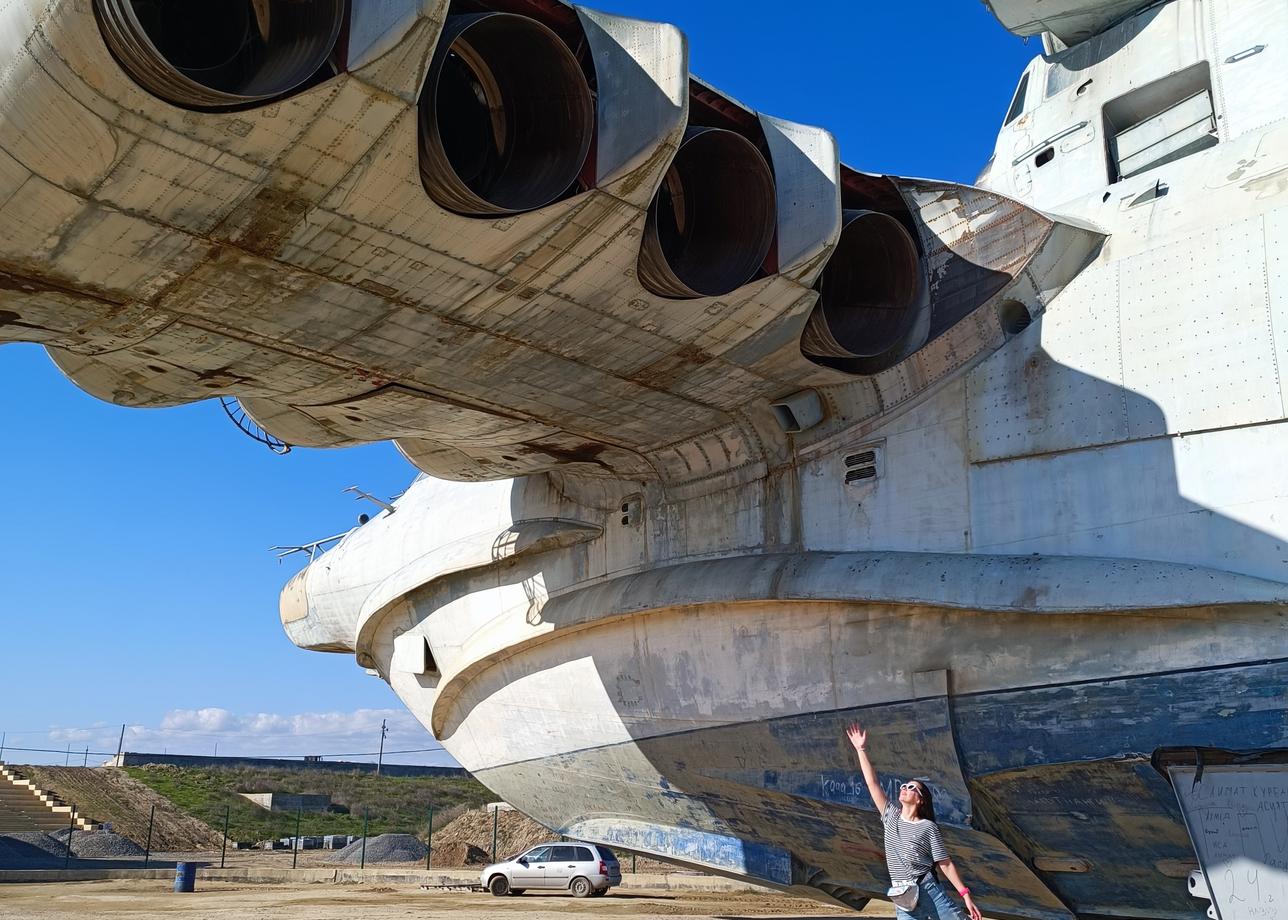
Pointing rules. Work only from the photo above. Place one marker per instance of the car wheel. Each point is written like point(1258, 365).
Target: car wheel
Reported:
point(581, 888)
point(499, 885)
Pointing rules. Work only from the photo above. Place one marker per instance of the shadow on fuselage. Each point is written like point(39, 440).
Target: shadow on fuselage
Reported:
point(1053, 768)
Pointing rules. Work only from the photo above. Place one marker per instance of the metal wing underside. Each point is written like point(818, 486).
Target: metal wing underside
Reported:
point(1071, 21)
point(290, 256)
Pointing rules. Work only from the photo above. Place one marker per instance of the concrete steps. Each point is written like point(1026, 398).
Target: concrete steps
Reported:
point(25, 808)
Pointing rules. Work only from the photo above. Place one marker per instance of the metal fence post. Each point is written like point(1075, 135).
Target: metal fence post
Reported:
point(223, 852)
point(362, 862)
point(429, 837)
point(295, 841)
point(633, 857)
point(496, 818)
point(71, 831)
point(147, 850)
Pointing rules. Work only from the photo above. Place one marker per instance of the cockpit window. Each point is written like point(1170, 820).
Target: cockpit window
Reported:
point(1017, 105)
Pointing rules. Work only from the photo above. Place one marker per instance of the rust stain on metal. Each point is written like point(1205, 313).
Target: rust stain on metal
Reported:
point(663, 372)
point(582, 453)
point(26, 283)
point(264, 223)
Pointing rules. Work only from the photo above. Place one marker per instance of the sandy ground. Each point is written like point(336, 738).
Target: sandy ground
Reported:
point(146, 900)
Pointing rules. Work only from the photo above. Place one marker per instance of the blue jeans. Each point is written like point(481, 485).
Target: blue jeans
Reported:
point(934, 903)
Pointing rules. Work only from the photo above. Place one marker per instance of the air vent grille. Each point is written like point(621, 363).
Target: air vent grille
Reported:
point(861, 474)
point(863, 466)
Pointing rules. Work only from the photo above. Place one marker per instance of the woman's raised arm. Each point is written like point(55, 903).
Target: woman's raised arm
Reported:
point(859, 738)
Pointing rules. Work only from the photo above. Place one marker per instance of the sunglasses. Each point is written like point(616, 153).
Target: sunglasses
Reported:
point(911, 787)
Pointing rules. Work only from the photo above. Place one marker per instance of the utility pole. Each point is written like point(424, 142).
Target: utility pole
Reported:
point(380, 758)
point(119, 745)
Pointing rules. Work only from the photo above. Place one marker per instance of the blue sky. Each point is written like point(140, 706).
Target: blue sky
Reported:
point(136, 584)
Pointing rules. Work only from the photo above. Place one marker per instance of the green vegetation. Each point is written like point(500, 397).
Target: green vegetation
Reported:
point(393, 804)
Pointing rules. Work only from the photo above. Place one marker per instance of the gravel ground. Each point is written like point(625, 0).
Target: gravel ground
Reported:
point(387, 848)
point(104, 845)
point(153, 900)
point(29, 849)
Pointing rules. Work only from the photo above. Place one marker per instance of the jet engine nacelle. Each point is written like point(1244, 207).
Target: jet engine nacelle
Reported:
point(873, 307)
point(510, 235)
point(221, 54)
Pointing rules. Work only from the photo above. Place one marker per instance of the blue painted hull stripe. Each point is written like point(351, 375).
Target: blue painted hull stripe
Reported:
point(952, 698)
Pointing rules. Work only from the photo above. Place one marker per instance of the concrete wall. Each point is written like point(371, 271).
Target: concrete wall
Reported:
point(135, 759)
point(288, 801)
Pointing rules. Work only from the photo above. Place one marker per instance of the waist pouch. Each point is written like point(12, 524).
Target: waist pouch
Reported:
point(905, 894)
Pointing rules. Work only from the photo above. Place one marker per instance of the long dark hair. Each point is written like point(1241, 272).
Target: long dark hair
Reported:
point(926, 801)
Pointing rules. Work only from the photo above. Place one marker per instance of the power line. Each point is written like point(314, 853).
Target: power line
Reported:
point(111, 729)
point(29, 750)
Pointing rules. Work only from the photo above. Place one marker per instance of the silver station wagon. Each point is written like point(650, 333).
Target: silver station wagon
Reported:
point(585, 869)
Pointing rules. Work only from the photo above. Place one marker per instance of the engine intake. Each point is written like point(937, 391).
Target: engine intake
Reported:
point(713, 219)
point(506, 117)
point(220, 53)
point(869, 296)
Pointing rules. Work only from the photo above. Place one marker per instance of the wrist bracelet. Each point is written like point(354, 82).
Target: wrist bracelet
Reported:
point(963, 891)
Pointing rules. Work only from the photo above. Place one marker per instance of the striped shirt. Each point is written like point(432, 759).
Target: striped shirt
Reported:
point(911, 846)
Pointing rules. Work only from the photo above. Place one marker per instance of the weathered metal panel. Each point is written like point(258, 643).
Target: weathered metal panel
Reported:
point(1276, 243)
point(1198, 351)
point(642, 72)
point(808, 176)
point(1208, 498)
point(1071, 21)
point(1059, 384)
point(1249, 57)
point(1132, 864)
point(377, 28)
point(900, 509)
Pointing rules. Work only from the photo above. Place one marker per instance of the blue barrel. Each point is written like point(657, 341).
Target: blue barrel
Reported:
point(185, 876)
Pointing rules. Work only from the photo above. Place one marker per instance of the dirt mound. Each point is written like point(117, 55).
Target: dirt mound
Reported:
point(387, 848)
point(105, 794)
point(516, 832)
point(459, 854)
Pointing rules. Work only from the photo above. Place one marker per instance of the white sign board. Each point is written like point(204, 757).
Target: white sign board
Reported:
point(1238, 820)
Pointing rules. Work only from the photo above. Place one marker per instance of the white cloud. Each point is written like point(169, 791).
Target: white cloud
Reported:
point(209, 720)
point(352, 735)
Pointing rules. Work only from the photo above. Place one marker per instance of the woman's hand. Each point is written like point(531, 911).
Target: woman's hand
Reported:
point(858, 736)
point(970, 907)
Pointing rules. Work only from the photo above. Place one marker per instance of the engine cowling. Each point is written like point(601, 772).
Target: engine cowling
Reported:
point(712, 222)
point(506, 116)
point(221, 54)
point(872, 303)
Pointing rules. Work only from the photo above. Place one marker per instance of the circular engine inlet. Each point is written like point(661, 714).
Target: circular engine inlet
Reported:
point(713, 220)
point(220, 53)
point(506, 117)
point(868, 293)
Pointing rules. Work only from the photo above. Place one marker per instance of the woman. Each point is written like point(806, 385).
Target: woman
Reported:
point(913, 845)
